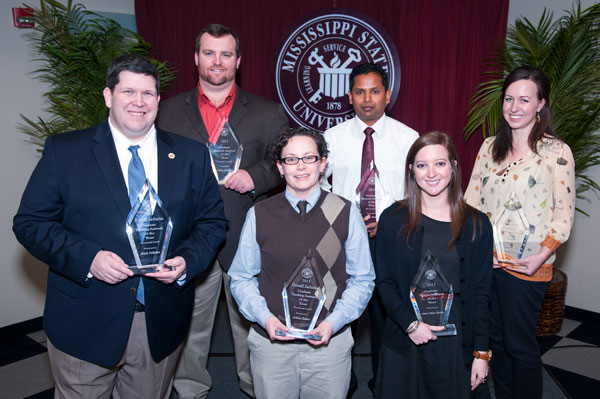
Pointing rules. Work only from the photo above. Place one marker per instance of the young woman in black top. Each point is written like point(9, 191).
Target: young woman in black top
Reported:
point(434, 218)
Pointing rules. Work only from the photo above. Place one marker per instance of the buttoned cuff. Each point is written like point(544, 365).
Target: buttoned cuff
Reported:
point(336, 321)
point(262, 316)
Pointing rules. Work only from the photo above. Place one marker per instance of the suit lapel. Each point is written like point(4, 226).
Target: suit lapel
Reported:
point(193, 114)
point(239, 108)
point(108, 162)
point(167, 166)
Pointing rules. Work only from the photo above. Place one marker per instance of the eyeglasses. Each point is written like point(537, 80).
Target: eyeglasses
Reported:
point(306, 159)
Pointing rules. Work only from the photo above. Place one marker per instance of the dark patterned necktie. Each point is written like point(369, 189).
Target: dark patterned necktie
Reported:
point(302, 207)
point(367, 177)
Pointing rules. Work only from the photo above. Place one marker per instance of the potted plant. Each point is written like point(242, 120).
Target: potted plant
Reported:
point(568, 51)
point(74, 47)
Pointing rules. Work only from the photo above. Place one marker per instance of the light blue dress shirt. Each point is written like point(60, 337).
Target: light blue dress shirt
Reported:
point(359, 267)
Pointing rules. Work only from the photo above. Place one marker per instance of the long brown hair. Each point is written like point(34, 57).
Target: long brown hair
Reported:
point(503, 141)
point(412, 201)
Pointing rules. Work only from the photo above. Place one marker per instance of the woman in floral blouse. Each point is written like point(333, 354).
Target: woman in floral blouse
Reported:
point(528, 162)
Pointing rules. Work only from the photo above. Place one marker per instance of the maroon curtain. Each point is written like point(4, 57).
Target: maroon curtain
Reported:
point(442, 46)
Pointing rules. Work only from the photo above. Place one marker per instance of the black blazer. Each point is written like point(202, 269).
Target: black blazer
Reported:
point(76, 204)
point(256, 121)
point(397, 263)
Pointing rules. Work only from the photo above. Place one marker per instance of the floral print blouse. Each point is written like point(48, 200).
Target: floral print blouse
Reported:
point(545, 185)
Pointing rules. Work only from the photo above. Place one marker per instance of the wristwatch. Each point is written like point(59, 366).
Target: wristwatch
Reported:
point(485, 356)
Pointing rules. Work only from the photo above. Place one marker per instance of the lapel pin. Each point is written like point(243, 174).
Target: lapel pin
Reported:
point(171, 155)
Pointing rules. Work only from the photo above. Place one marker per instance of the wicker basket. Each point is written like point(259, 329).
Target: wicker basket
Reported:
point(553, 309)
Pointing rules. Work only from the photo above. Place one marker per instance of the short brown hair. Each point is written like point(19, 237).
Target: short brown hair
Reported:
point(218, 30)
point(285, 136)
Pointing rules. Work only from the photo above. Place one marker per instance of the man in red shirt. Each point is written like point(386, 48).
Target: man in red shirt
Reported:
point(201, 114)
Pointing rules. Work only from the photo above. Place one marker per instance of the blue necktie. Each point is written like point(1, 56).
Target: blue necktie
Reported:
point(137, 177)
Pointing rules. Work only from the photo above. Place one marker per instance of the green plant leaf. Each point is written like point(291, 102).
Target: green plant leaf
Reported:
point(74, 47)
point(568, 51)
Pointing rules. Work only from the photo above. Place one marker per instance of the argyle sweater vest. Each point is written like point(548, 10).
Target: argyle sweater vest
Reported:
point(284, 239)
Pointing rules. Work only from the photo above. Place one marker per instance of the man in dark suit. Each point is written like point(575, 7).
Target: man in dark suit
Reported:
point(256, 121)
point(120, 331)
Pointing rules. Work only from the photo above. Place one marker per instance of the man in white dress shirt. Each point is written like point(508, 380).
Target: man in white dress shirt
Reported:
point(369, 149)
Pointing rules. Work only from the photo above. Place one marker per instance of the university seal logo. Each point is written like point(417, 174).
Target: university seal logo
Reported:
point(307, 273)
point(430, 274)
point(315, 59)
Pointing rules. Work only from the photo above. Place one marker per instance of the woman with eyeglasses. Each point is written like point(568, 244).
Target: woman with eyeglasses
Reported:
point(433, 220)
point(303, 242)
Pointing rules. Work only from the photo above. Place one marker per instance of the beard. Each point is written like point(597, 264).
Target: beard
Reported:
point(220, 79)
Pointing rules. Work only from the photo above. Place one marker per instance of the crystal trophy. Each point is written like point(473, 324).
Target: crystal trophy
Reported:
point(225, 154)
point(431, 295)
point(511, 232)
point(303, 298)
point(363, 195)
point(149, 232)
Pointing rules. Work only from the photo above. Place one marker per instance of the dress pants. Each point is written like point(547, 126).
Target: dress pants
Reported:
point(191, 377)
point(376, 321)
point(136, 374)
point(376, 324)
point(516, 363)
point(292, 370)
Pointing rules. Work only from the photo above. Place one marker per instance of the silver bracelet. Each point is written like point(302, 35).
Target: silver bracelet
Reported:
point(413, 327)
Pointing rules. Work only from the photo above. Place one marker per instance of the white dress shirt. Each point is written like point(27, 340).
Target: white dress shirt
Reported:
point(147, 152)
point(392, 140)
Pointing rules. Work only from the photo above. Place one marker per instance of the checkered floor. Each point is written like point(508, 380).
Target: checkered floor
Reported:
point(571, 360)
point(572, 357)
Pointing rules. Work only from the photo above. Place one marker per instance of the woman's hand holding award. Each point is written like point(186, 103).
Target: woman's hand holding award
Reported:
point(511, 232)
point(303, 298)
point(431, 295)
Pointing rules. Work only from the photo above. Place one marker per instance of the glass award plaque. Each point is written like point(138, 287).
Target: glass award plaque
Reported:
point(225, 154)
point(149, 232)
point(511, 232)
point(431, 295)
point(363, 194)
point(303, 298)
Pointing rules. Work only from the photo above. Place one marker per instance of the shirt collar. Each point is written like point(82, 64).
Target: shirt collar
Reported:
point(311, 199)
point(148, 143)
point(378, 126)
point(202, 98)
